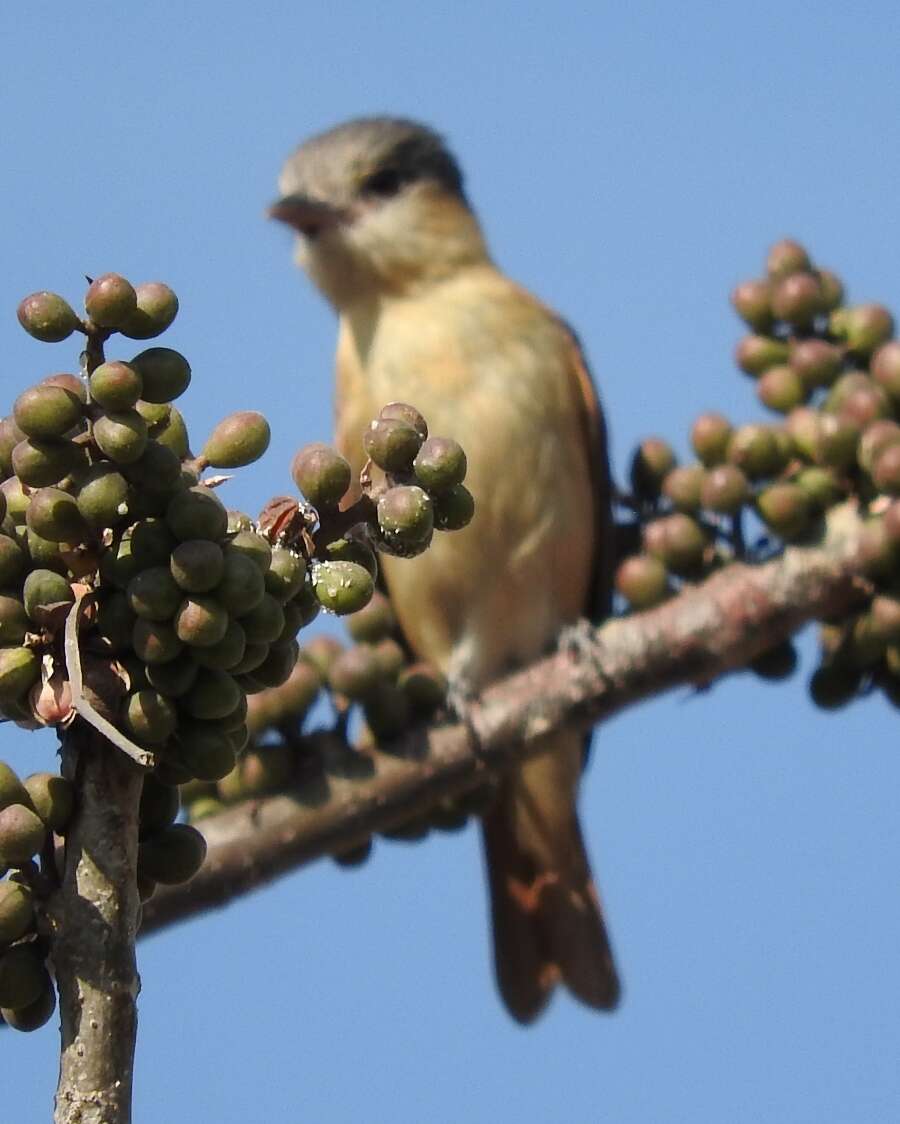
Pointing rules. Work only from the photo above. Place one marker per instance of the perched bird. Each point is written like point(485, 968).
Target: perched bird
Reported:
point(386, 232)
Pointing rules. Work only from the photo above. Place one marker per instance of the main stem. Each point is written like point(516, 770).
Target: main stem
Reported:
point(94, 915)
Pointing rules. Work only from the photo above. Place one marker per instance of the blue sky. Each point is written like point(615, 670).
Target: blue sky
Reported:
point(629, 164)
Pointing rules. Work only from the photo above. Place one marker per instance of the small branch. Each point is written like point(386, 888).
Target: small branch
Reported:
point(142, 757)
point(704, 632)
point(92, 920)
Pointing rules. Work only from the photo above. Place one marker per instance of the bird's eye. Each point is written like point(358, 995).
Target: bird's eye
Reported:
point(385, 182)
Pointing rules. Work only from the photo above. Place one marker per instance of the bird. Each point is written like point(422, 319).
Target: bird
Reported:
point(385, 230)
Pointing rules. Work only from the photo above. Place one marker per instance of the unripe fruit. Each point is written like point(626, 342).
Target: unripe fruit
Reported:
point(866, 327)
point(102, 496)
point(424, 686)
point(392, 657)
point(821, 486)
point(682, 487)
point(786, 257)
point(453, 509)
point(13, 561)
point(12, 791)
point(342, 587)
point(375, 621)
point(16, 911)
point(725, 490)
point(45, 554)
point(238, 440)
point(832, 288)
point(834, 685)
point(406, 519)
point(874, 440)
point(652, 461)
point(205, 750)
point(115, 386)
point(155, 642)
point(642, 580)
point(351, 550)
point(16, 500)
point(785, 508)
point(836, 442)
point(35, 1014)
point(440, 464)
point(47, 317)
point(53, 798)
point(228, 653)
point(816, 361)
point(242, 585)
point(214, 694)
point(276, 668)
point(174, 677)
point(886, 470)
point(157, 307)
point(388, 713)
point(13, 620)
point(255, 546)
point(775, 664)
point(321, 474)
point(110, 301)
point(392, 444)
point(197, 565)
point(20, 669)
point(402, 411)
point(755, 354)
point(46, 411)
point(171, 431)
point(710, 435)
point(21, 834)
point(797, 298)
point(172, 856)
point(751, 301)
point(885, 368)
point(754, 450)
point(160, 804)
point(150, 717)
point(264, 622)
point(197, 513)
point(165, 373)
point(44, 592)
point(201, 621)
point(41, 463)
point(22, 976)
point(151, 542)
point(356, 673)
point(285, 576)
point(121, 436)
point(781, 388)
point(154, 594)
point(677, 541)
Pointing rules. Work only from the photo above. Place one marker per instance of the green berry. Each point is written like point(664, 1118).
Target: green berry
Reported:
point(110, 301)
point(47, 317)
point(115, 386)
point(47, 411)
point(321, 474)
point(342, 587)
point(238, 440)
point(166, 374)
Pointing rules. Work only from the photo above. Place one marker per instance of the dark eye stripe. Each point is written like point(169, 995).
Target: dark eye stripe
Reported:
point(385, 182)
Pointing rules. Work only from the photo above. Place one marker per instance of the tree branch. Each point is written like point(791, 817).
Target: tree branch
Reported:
point(706, 631)
point(93, 920)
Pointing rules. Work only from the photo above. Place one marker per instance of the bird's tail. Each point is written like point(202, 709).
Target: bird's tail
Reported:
point(548, 926)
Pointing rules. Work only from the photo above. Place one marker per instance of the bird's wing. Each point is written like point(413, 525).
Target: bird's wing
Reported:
point(590, 412)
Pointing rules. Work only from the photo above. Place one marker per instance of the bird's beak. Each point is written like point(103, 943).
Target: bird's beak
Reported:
point(305, 215)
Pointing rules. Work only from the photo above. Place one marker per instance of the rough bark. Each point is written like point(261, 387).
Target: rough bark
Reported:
point(93, 918)
point(704, 632)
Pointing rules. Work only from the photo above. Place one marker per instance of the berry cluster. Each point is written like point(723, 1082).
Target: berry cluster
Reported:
point(833, 373)
point(31, 810)
point(132, 599)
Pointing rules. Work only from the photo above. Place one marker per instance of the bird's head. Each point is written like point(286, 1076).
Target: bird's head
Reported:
point(379, 208)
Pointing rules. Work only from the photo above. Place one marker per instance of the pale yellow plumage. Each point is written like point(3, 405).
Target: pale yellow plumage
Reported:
point(426, 318)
